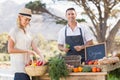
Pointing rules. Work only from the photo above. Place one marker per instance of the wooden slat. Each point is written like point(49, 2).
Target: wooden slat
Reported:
point(81, 76)
point(89, 73)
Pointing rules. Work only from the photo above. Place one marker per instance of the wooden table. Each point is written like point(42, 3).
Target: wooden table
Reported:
point(82, 76)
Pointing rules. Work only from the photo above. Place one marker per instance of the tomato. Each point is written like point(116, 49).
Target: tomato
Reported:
point(39, 63)
point(98, 70)
point(95, 63)
point(90, 62)
point(94, 69)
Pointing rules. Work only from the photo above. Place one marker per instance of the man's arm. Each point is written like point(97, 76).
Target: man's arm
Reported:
point(79, 48)
point(90, 42)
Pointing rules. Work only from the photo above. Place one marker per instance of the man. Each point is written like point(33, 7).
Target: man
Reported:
point(75, 35)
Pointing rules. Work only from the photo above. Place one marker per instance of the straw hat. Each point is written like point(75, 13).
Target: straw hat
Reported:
point(26, 12)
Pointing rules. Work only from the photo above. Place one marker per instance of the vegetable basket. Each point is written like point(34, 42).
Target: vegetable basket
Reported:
point(36, 70)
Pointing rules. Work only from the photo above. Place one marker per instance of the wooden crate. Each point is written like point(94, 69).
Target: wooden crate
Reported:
point(107, 67)
point(74, 60)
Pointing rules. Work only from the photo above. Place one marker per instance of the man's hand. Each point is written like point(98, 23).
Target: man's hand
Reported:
point(78, 48)
point(66, 49)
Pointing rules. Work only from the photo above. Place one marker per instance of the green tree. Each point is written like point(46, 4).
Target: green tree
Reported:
point(3, 42)
point(35, 6)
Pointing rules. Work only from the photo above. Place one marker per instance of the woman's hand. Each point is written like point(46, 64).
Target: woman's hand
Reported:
point(31, 52)
point(41, 58)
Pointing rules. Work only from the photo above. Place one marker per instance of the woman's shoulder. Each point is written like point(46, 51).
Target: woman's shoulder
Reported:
point(14, 29)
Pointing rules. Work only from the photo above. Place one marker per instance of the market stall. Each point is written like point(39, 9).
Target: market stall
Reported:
point(91, 69)
point(85, 72)
point(80, 75)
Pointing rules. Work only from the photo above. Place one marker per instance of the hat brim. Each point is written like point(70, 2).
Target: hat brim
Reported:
point(26, 15)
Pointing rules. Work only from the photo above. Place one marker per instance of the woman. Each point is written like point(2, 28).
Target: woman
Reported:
point(19, 44)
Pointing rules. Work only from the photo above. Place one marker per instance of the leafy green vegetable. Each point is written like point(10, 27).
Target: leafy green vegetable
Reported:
point(114, 75)
point(87, 69)
point(57, 68)
point(67, 46)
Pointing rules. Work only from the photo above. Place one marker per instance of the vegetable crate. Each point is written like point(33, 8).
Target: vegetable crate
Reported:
point(74, 60)
point(107, 67)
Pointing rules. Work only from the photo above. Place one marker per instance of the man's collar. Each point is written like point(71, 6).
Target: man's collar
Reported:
point(76, 25)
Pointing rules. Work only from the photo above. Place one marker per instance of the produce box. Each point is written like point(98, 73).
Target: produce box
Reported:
point(107, 67)
point(74, 60)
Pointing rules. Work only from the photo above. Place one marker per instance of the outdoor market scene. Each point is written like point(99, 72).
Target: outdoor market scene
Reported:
point(60, 40)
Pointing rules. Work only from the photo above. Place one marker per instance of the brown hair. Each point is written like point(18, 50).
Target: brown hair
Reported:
point(70, 9)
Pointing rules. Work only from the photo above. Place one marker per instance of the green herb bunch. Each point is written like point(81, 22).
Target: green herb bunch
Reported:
point(114, 75)
point(57, 68)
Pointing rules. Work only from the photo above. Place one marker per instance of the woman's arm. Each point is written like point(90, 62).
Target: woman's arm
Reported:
point(37, 50)
point(12, 49)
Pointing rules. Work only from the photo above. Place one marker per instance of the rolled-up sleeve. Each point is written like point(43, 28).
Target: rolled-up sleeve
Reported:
point(88, 35)
point(61, 36)
point(12, 34)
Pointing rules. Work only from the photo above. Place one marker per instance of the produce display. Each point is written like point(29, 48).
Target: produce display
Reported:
point(103, 61)
point(98, 65)
point(108, 60)
point(61, 66)
point(84, 69)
